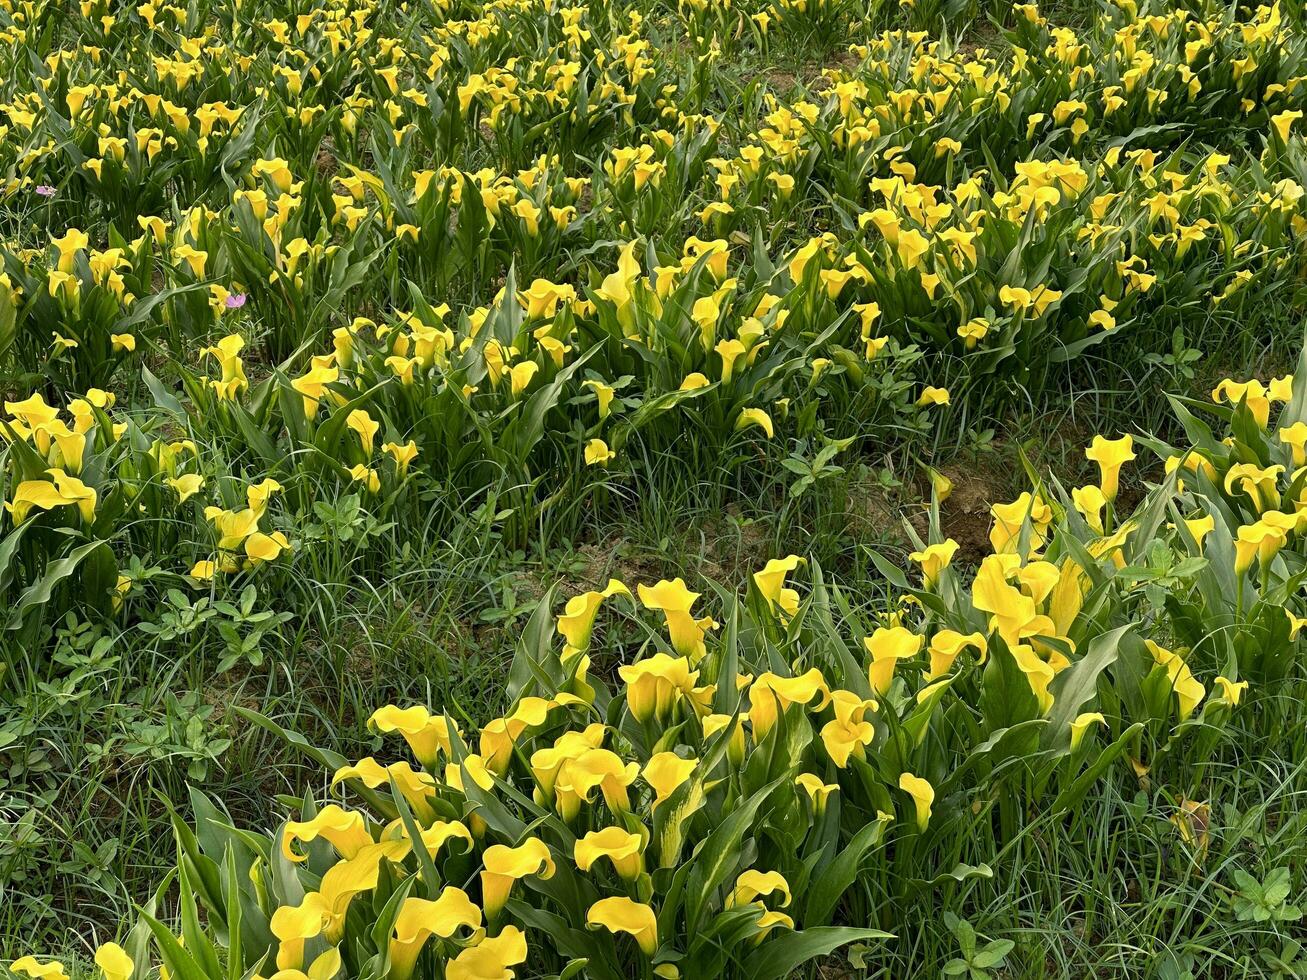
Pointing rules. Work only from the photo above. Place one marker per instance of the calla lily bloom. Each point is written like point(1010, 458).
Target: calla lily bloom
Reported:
point(753, 884)
point(70, 446)
point(577, 620)
point(1260, 540)
point(420, 919)
point(665, 771)
point(30, 966)
point(491, 959)
point(434, 837)
point(186, 485)
point(1284, 121)
point(772, 694)
point(1259, 483)
point(771, 584)
point(604, 395)
point(498, 737)
point(755, 416)
point(931, 395)
point(1110, 455)
point(73, 241)
point(1011, 611)
point(35, 415)
point(114, 963)
point(655, 684)
point(520, 375)
point(366, 475)
point(403, 454)
point(427, 735)
point(295, 925)
point(345, 830)
point(945, 647)
point(597, 453)
point(547, 763)
point(542, 299)
point(227, 353)
point(365, 426)
point(353, 876)
point(843, 737)
point(312, 386)
point(729, 351)
point(934, 559)
point(818, 791)
point(621, 914)
point(1090, 501)
point(260, 547)
point(600, 769)
point(1189, 691)
point(621, 848)
point(257, 495)
point(1081, 725)
point(1251, 393)
point(1199, 528)
point(769, 920)
point(1009, 520)
point(735, 745)
point(618, 286)
point(1039, 673)
point(923, 796)
point(233, 527)
point(675, 601)
point(1295, 437)
point(203, 571)
point(65, 491)
point(418, 788)
point(887, 647)
point(1231, 691)
point(506, 865)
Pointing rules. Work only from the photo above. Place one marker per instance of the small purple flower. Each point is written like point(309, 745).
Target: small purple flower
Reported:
point(235, 301)
point(45, 190)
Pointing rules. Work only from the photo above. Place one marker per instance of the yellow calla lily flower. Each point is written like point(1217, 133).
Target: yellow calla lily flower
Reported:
point(420, 919)
point(1110, 455)
point(675, 601)
point(655, 684)
point(577, 620)
point(665, 771)
point(923, 796)
point(771, 584)
point(621, 914)
point(771, 694)
point(506, 865)
point(345, 830)
point(887, 647)
point(818, 791)
point(1081, 725)
point(934, 559)
point(620, 847)
point(1189, 691)
point(494, 956)
point(752, 884)
point(114, 963)
point(32, 967)
point(755, 416)
point(427, 735)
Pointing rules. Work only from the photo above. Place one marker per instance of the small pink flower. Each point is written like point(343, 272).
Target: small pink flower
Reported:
point(235, 301)
point(45, 190)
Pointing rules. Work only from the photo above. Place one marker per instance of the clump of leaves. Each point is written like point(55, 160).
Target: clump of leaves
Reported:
point(976, 961)
point(1264, 901)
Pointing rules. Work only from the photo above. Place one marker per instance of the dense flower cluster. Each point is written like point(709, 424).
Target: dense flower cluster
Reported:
point(258, 257)
point(710, 814)
point(260, 204)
